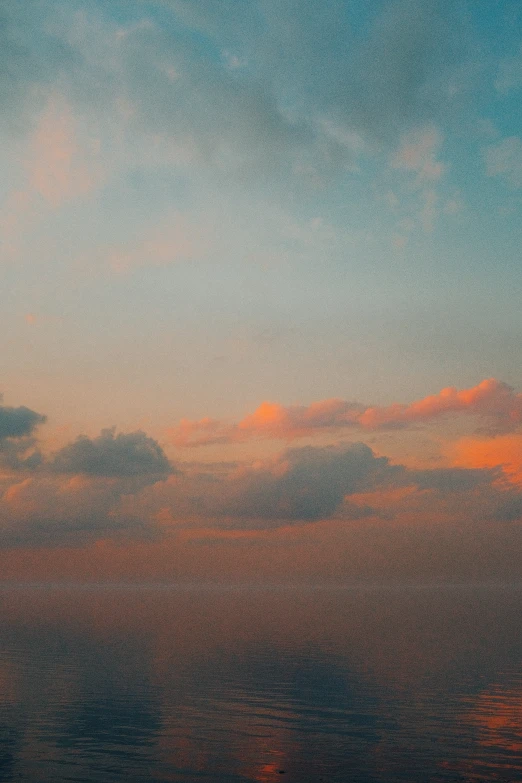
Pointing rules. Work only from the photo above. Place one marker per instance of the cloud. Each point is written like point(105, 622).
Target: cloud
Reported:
point(414, 49)
point(504, 451)
point(75, 496)
point(225, 120)
point(300, 486)
point(270, 420)
point(418, 153)
point(17, 443)
point(18, 422)
point(303, 484)
point(510, 73)
point(453, 480)
point(54, 511)
point(492, 400)
point(242, 83)
point(509, 510)
point(380, 83)
point(32, 58)
point(58, 167)
point(113, 487)
point(505, 160)
point(113, 456)
point(308, 484)
point(296, 486)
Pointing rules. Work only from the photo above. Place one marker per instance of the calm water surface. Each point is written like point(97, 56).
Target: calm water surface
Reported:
point(201, 684)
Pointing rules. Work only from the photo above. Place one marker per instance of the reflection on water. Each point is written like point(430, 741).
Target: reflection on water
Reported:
point(200, 684)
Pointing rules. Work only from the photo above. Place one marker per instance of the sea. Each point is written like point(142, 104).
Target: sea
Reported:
point(234, 684)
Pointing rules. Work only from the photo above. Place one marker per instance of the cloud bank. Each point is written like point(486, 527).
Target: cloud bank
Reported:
point(123, 487)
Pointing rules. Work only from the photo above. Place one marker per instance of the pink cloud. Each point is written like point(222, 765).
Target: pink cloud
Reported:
point(491, 399)
point(418, 153)
point(61, 163)
point(59, 166)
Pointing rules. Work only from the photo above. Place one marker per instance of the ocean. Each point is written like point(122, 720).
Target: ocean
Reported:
point(339, 684)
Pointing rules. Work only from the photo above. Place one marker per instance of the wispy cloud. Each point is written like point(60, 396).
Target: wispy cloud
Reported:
point(418, 154)
point(509, 75)
point(60, 163)
point(59, 167)
point(266, 97)
point(504, 160)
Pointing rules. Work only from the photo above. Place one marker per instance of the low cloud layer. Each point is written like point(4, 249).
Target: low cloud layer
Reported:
point(350, 482)
point(122, 485)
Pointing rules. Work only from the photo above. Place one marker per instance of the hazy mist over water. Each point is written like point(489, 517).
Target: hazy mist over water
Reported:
point(250, 684)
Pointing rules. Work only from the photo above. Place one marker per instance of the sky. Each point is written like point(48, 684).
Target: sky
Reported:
point(260, 290)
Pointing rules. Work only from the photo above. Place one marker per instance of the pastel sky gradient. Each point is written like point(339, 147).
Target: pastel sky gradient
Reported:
point(261, 285)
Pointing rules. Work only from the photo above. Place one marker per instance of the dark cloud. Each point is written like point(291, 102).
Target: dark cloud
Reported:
point(114, 456)
point(41, 507)
point(18, 422)
point(509, 509)
point(20, 454)
point(306, 484)
point(449, 480)
point(17, 443)
point(47, 509)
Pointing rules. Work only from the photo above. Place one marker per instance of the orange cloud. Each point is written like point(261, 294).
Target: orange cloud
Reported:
point(490, 399)
point(504, 451)
point(270, 420)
